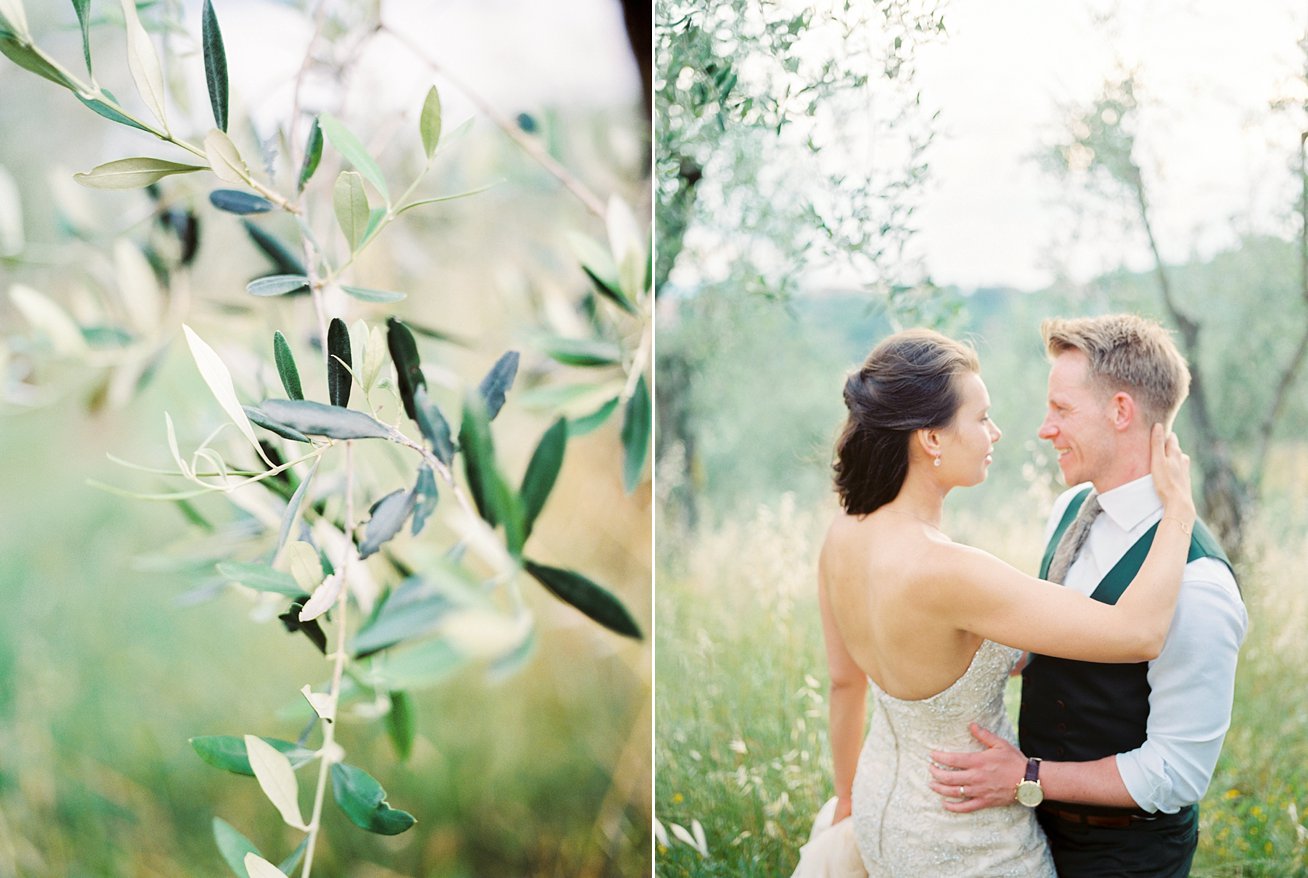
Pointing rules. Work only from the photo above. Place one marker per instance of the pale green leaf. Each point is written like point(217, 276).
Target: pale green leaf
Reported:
point(304, 564)
point(233, 846)
point(429, 123)
point(364, 294)
point(83, 8)
point(12, 237)
point(258, 867)
point(354, 152)
point(12, 11)
point(276, 284)
point(323, 598)
point(133, 173)
point(137, 285)
point(260, 577)
point(53, 321)
point(292, 513)
point(351, 205)
point(628, 248)
point(215, 374)
point(277, 780)
point(224, 157)
point(144, 63)
point(321, 702)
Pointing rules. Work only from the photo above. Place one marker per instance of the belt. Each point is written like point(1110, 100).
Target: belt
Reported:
point(1106, 821)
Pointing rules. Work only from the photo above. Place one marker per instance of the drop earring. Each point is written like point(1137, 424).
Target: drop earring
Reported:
point(936, 462)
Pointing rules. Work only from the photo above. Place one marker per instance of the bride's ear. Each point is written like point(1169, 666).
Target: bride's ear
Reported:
point(928, 441)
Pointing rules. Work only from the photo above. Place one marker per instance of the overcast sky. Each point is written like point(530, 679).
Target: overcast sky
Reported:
point(1210, 68)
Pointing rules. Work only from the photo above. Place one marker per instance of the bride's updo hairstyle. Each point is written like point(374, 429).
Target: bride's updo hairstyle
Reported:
point(906, 384)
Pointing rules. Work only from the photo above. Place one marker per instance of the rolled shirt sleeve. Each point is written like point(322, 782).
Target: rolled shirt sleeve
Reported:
point(1192, 684)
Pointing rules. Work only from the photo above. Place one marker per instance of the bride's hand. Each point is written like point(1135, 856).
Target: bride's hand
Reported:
point(1170, 467)
point(844, 807)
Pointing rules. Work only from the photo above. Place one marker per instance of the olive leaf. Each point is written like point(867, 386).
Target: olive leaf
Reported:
point(228, 752)
point(364, 294)
point(233, 846)
point(354, 152)
point(83, 8)
point(339, 363)
point(132, 173)
point(429, 122)
point(238, 202)
point(592, 599)
point(224, 158)
point(215, 64)
point(276, 284)
point(144, 63)
point(281, 255)
point(635, 435)
point(408, 368)
point(364, 801)
point(215, 375)
point(497, 383)
point(351, 205)
point(286, 369)
point(316, 419)
point(312, 155)
point(387, 518)
point(400, 724)
point(542, 472)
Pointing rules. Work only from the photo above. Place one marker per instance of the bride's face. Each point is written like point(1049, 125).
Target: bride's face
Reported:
point(967, 444)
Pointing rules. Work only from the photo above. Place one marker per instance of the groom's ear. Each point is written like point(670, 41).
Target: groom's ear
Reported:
point(1123, 411)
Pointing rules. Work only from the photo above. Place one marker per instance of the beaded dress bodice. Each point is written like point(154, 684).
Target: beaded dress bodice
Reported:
point(900, 823)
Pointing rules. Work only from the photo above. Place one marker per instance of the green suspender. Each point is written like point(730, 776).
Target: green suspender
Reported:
point(1202, 545)
point(1069, 515)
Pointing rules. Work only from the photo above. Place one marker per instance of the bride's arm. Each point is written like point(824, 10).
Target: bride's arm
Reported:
point(979, 593)
point(847, 704)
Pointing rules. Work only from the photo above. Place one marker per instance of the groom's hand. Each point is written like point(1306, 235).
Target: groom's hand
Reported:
point(985, 779)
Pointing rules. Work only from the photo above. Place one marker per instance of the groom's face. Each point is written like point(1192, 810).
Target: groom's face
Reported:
point(1078, 420)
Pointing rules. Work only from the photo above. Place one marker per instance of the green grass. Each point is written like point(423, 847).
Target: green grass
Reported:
point(741, 711)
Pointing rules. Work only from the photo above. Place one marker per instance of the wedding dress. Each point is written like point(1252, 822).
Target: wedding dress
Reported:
point(899, 825)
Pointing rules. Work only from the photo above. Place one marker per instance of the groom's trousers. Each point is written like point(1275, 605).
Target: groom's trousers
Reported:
point(1160, 847)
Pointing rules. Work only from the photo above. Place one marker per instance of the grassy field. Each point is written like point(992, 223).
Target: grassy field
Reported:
point(742, 748)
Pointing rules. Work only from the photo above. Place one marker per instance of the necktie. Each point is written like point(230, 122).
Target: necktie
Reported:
point(1073, 539)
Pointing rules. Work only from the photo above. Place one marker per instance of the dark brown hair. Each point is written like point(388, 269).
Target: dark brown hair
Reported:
point(907, 383)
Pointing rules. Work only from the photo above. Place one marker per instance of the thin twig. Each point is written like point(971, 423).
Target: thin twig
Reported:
point(530, 145)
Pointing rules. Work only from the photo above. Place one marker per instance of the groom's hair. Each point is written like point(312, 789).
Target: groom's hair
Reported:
point(1126, 353)
point(907, 383)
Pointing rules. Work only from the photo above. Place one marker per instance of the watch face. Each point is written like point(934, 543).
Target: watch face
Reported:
point(1029, 793)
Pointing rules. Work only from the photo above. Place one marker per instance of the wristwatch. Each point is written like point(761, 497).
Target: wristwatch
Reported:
point(1029, 791)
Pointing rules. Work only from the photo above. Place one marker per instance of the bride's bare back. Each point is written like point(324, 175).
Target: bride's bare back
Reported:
point(877, 576)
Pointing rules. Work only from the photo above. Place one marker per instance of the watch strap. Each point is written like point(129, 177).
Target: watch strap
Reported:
point(1033, 769)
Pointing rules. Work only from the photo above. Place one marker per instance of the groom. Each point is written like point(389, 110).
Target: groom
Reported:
point(1122, 753)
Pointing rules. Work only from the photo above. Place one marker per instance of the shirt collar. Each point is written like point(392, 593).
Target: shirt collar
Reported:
point(1131, 504)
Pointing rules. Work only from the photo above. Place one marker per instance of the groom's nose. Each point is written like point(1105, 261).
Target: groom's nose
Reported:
point(1047, 430)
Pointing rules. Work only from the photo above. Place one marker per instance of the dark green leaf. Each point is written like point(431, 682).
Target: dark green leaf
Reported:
point(260, 577)
point(316, 419)
point(238, 202)
point(311, 629)
point(312, 154)
point(276, 284)
point(408, 368)
point(495, 502)
point(110, 112)
point(286, 368)
point(279, 253)
point(424, 498)
point(388, 516)
point(339, 363)
point(414, 608)
point(400, 724)
point(431, 421)
point(364, 294)
point(542, 473)
point(364, 801)
point(593, 600)
point(588, 423)
point(429, 122)
point(375, 216)
point(289, 864)
point(582, 351)
point(83, 8)
point(228, 752)
point(354, 152)
point(215, 65)
point(635, 435)
point(233, 846)
point(497, 383)
point(258, 417)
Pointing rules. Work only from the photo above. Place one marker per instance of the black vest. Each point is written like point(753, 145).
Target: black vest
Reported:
point(1075, 711)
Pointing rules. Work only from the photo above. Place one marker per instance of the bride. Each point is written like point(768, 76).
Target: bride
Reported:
point(936, 626)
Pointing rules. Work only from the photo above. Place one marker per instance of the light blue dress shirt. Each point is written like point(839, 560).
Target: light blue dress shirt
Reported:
point(1192, 682)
